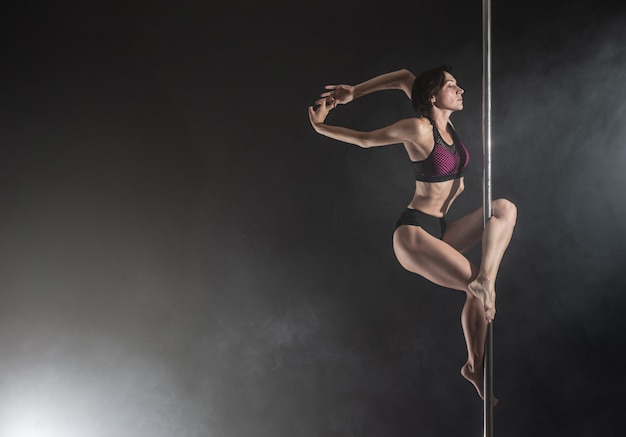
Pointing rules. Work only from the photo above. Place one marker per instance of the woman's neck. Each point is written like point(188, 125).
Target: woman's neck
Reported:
point(440, 118)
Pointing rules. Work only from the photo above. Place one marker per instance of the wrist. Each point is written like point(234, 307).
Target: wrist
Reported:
point(318, 127)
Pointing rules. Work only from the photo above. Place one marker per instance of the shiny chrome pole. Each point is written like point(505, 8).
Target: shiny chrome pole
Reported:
point(488, 363)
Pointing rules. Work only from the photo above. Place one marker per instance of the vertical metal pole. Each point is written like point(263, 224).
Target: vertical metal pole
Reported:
point(488, 363)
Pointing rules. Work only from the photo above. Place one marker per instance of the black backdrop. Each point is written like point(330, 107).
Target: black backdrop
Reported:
point(183, 256)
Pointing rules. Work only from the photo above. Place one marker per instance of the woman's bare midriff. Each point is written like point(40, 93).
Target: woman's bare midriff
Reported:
point(435, 198)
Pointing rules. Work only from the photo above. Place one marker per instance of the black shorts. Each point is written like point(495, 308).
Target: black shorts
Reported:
point(435, 226)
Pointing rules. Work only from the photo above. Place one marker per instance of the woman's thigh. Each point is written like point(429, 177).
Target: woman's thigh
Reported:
point(434, 259)
point(466, 232)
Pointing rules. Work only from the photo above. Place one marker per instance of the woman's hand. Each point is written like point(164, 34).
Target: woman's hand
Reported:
point(342, 94)
point(318, 115)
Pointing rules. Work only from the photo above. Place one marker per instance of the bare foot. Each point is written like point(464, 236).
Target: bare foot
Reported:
point(485, 291)
point(476, 377)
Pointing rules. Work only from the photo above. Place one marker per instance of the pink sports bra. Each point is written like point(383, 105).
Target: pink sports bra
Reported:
point(445, 162)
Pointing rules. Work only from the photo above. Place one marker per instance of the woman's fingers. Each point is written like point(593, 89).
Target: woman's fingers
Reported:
point(342, 94)
point(326, 101)
point(323, 106)
point(329, 93)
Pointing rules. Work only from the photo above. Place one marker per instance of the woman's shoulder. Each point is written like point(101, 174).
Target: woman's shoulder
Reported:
point(422, 138)
point(421, 124)
point(423, 129)
point(424, 123)
point(418, 129)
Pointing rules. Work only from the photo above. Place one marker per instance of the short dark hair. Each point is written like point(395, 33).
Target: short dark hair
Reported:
point(425, 86)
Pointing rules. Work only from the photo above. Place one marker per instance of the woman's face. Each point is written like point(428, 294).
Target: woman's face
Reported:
point(450, 95)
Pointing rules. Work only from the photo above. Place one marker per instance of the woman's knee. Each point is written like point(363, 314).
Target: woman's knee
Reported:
point(505, 209)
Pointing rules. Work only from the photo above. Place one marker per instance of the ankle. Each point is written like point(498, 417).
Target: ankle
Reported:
point(484, 279)
point(474, 364)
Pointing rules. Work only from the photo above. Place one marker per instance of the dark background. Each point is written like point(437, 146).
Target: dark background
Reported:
point(182, 255)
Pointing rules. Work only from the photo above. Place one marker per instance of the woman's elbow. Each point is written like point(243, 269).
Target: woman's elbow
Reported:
point(406, 82)
point(406, 74)
point(366, 142)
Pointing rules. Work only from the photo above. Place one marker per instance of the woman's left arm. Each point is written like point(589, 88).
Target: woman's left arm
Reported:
point(342, 94)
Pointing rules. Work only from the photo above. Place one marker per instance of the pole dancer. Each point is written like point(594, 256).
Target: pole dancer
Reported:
point(423, 241)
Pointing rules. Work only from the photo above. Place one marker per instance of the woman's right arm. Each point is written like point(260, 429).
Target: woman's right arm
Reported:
point(403, 131)
point(401, 79)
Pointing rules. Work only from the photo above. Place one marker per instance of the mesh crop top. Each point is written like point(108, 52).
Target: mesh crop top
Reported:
point(445, 162)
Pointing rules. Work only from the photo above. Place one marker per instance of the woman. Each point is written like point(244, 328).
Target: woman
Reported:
point(422, 240)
